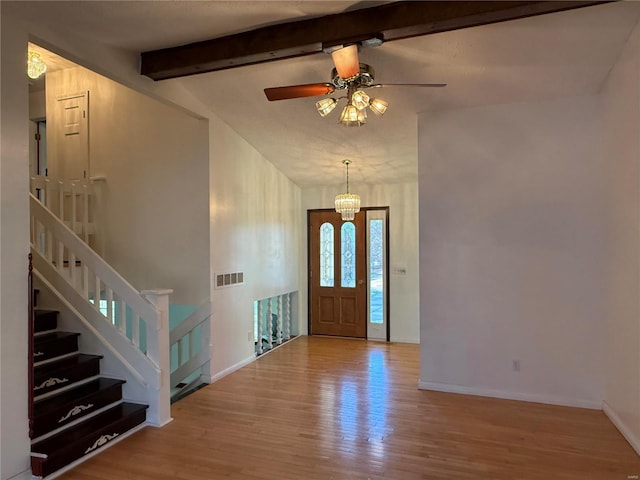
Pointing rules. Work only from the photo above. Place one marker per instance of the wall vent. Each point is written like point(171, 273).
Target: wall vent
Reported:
point(229, 279)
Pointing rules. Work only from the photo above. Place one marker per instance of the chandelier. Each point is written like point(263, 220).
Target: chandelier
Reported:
point(347, 204)
point(35, 65)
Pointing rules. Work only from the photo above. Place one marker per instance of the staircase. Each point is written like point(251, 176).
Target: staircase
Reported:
point(75, 410)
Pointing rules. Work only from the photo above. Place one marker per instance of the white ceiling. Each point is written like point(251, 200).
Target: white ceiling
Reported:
point(545, 57)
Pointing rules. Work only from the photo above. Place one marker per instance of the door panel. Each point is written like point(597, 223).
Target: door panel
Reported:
point(337, 274)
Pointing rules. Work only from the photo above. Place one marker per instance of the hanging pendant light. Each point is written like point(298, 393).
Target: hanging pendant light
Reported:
point(35, 65)
point(347, 204)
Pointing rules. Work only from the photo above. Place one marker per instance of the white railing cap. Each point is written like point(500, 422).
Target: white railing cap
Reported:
point(157, 291)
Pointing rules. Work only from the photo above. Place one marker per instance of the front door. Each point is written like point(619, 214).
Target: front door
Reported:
point(337, 273)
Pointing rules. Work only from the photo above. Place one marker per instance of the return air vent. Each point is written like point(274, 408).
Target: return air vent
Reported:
point(229, 279)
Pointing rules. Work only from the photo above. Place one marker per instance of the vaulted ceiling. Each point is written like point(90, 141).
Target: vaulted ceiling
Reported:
point(539, 58)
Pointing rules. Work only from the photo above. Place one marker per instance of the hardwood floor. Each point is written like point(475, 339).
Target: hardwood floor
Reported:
point(323, 408)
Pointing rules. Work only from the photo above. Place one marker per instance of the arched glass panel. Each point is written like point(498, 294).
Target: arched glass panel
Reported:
point(348, 254)
point(326, 255)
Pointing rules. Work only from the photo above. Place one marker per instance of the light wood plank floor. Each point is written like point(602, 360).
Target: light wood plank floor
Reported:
point(323, 408)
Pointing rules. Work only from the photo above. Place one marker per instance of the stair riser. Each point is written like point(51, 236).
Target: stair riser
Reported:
point(77, 449)
point(47, 350)
point(45, 321)
point(55, 380)
point(69, 413)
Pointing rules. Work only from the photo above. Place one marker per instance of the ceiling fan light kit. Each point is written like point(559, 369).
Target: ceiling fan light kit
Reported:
point(351, 75)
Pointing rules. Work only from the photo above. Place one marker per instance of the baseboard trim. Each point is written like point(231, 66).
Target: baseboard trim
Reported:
point(622, 428)
point(232, 368)
point(406, 340)
point(523, 397)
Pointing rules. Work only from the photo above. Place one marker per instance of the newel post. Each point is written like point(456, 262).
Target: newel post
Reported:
point(159, 412)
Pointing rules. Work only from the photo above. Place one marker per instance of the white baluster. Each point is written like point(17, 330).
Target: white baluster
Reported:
point(110, 305)
point(74, 208)
point(85, 213)
point(72, 269)
point(85, 281)
point(49, 254)
point(122, 322)
point(269, 324)
point(135, 330)
point(60, 257)
point(279, 322)
point(61, 201)
point(96, 296)
point(288, 316)
point(180, 353)
point(260, 317)
point(192, 341)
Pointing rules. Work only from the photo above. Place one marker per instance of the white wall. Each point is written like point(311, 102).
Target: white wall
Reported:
point(255, 229)
point(14, 248)
point(511, 251)
point(621, 101)
point(155, 199)
point(233, 310)
point(402, 200)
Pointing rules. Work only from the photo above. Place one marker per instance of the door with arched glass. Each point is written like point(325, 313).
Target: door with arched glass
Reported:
point(337, 275)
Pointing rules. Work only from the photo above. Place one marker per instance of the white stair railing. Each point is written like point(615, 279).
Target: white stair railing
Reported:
point(74, 202)
point(190, 342)
point(135, 326)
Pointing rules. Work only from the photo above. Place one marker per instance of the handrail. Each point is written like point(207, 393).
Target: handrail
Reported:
point(31, 343)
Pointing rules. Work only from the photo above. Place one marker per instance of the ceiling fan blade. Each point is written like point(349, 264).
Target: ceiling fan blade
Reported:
point(409, 85)
point(298, 91)
point(346, 61)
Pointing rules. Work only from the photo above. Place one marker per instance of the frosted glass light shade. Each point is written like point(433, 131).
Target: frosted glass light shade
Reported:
point(326, 106)
point(349, 117)
point(35, 65)
point(378, 106)
point(360, 99)
point(346, 61)
point(347, 205)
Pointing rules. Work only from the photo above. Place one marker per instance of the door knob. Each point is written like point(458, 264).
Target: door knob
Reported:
point(360, 282)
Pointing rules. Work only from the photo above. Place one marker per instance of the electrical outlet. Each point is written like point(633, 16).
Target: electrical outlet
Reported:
point(249, 335)
point(516, 365)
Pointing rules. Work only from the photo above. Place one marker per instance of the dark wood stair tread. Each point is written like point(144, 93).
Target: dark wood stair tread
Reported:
point(53, 336)
point(73, 396)
point(64, 363)
point(68, 437)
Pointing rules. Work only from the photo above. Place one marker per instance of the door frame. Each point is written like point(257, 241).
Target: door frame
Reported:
point(387, 268)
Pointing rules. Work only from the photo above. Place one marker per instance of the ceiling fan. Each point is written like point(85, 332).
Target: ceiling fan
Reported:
point(351, 75)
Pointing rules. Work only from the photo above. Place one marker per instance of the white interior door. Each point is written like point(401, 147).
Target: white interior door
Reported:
point(70, 125)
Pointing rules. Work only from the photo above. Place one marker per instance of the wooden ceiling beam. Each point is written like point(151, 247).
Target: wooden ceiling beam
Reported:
point(392, 21)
